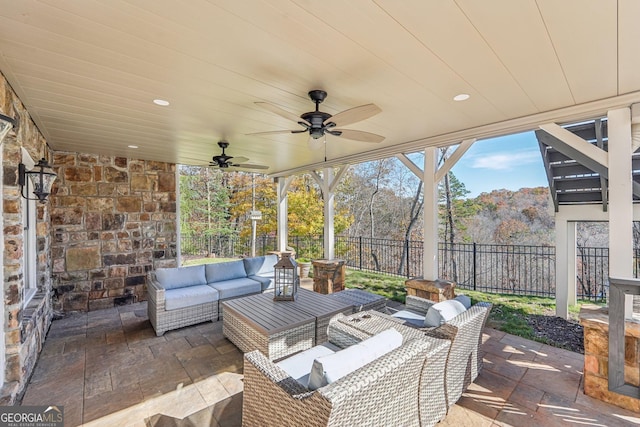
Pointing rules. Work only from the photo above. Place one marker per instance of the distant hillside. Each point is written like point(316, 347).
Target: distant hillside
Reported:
point(511, 217)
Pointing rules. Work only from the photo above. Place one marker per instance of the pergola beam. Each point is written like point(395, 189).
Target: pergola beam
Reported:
point(451, 161)
point(410, 165)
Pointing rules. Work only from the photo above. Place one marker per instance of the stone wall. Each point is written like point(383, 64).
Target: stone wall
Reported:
point(113, 220)
point(595, 321)
point(24, 324)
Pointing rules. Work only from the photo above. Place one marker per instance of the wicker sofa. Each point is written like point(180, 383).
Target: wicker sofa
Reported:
point(380, 393)
point(184, 296)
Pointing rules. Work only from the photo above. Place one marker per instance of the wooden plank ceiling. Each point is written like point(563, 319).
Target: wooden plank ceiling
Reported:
point(88, 70)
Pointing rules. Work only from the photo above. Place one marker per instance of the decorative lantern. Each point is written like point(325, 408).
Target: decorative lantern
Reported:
point(41, 176)
point(285, 278)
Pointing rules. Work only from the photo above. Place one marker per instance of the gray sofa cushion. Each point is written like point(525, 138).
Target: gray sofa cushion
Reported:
point(189, 296)
point(173, 278)
point(258, 266)
point(266, 280)
point(236, 287)
point(219, 272)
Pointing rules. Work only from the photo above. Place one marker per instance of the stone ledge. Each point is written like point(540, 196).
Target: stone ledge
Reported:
point(596, 317)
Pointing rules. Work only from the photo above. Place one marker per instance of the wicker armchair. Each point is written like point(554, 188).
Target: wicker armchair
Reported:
point(464, 331)
point(383, 392)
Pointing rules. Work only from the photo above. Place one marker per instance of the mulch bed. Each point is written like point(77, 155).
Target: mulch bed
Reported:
point(558, 332)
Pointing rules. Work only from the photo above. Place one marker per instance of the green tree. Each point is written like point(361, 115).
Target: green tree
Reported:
point(204, 202)
point(305, 206)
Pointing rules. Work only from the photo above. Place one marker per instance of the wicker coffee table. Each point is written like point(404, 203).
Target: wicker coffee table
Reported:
point(279, 328)
point(361, 300)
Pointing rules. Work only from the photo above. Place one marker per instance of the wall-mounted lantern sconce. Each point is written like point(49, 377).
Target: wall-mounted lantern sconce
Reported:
point(41, 176)
point(6, 124)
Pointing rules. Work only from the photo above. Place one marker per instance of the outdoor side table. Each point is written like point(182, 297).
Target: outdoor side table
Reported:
point(328, 275)
point(433, 290)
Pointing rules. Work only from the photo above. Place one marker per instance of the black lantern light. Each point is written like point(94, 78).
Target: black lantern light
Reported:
point(41, 176)
point(286, 278)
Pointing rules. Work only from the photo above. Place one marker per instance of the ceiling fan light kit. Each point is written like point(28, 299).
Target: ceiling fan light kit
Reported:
point(319, 123)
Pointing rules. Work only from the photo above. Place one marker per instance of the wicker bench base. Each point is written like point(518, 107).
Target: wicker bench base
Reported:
point(163, 320)
point(361, 300)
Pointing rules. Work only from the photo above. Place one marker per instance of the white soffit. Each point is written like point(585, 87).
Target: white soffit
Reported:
point(87, 71)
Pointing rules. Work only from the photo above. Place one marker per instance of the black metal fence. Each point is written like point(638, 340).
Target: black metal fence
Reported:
point(234, 246)
point(511, 269)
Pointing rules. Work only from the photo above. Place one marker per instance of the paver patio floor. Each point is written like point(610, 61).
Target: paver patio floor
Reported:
point(108, 368)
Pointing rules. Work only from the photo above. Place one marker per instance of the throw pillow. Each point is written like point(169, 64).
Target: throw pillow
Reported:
point(442, 312)
point(219, 272)
point(465, 300)
point(332, 367)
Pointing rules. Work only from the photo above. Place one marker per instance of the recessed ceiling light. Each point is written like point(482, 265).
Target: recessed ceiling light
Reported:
point(132, 146)
point(461, 97)
point(161, 102)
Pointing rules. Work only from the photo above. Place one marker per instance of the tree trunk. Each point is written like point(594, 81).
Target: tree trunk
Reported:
point(416, 209)
point(452, 232)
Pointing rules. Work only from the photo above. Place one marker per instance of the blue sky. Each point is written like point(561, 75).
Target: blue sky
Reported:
point(508, 162)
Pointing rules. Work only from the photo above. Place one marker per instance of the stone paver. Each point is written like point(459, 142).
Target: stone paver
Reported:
point(108, 368)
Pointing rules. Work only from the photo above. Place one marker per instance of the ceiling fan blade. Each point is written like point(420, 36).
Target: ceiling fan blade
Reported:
point(354, 115)
point(316, 144)
point(239, 159)
point(281, 112)
point(276, 132)
point(250, 166)
point(358, 135)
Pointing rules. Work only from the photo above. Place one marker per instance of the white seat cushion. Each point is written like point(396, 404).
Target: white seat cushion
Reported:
point(332, 367)
point(409, 316)
point(299, 365)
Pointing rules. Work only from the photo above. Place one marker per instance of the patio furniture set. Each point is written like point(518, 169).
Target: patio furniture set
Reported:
point(336, 359)
point(374, 369)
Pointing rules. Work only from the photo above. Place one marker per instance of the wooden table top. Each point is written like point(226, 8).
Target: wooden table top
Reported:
point(271, 316)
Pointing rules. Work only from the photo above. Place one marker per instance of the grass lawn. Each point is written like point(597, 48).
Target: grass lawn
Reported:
point(509, 313)
point(198, 261)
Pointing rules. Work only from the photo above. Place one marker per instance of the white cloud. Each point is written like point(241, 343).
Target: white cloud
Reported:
point(505, 160)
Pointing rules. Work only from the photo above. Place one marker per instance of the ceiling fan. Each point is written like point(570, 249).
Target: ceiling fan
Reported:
point(223, 161)
point(319, 123)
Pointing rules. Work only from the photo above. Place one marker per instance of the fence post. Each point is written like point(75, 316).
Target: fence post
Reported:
point(360, 251)
point(474, 266)
point(406, 246)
